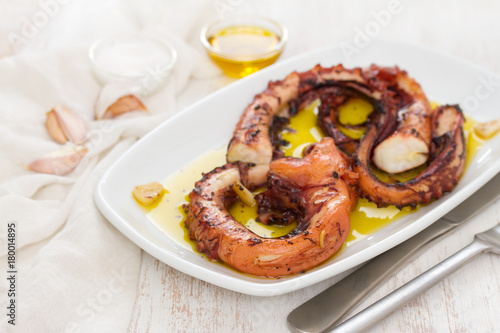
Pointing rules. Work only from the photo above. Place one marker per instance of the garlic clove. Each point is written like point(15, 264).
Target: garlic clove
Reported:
point(60, 162)
point(54, 129)
point(118, 99)
point(322, 239)
point(74, 127)
point(124, 104)
point(148, 194)
point(487, 129)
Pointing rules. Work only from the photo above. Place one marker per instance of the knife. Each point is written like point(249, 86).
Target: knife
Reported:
point(487, 241)
point(327, 308)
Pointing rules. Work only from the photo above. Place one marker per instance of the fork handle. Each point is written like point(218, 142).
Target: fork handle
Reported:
point(382, 308)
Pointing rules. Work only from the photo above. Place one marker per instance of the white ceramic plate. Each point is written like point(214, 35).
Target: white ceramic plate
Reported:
point(208, 125)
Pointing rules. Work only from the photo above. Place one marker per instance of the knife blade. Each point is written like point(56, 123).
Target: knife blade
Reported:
point(327, 308)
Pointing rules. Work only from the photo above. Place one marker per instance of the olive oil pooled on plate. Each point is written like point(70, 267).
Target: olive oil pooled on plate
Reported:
point(366, 217)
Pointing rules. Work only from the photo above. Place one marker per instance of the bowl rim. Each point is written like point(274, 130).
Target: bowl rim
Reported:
point(266, 54)
point(168, 48)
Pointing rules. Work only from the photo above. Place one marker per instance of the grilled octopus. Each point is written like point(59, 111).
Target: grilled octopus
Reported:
point(441, 176)
point(251, 141)
point(319, 187)
point(402, 126)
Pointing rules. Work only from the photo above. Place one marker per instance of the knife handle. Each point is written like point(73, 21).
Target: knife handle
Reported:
point(328, 307)
point(384, 307)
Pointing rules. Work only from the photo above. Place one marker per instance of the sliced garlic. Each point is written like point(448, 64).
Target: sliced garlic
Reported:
point(60, 162)
point(487, 129)
point(148, 194)
point(70, 124)
point(267, 258)
point(54, 129)
point(244, 194)
point(322, 239)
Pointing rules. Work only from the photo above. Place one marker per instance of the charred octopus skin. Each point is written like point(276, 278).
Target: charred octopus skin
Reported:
point(320, 190)
point(402, 134)
point(445, 168)
point(322, 187)
point(388, 87)
point(251, 141)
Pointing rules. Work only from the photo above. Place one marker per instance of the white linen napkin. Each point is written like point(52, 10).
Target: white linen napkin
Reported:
point(75, 271)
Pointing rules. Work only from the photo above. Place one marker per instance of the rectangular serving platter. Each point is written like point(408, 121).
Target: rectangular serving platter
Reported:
point(208, 125)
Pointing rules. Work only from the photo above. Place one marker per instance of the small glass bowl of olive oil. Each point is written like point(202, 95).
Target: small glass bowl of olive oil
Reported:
point(243, 44)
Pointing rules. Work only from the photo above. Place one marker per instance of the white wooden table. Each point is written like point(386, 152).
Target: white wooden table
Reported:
point(468, 301)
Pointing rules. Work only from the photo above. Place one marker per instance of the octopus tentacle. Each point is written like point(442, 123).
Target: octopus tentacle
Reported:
point(329, 122)
point(320, 190)
point(442, 174)
point(408, 145)
point(251, 141)
point(324, 202)
point(390, 89)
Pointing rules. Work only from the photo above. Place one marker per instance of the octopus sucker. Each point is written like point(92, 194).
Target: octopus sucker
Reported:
point(324, 225)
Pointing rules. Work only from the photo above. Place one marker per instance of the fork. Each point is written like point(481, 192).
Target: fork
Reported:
point(488, 241)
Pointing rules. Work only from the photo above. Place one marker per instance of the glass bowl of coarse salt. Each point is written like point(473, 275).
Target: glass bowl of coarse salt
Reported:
point(143, 61)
